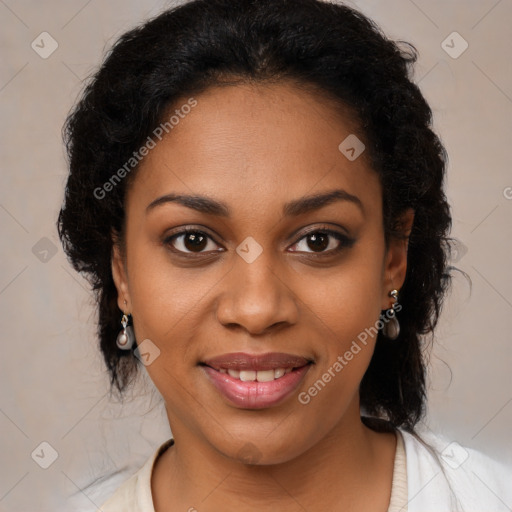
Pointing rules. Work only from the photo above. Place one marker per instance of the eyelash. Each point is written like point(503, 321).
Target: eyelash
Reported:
point(344, 242)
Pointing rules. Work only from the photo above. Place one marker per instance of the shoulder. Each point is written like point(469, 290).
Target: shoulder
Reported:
point(134, 495)
point(445, 476)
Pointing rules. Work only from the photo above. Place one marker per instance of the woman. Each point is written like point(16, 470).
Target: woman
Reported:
point(256, 194)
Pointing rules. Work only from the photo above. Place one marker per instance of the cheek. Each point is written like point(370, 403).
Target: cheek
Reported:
point(346, 299)
point(349, 312)
point(163, 295)
point(347, 308)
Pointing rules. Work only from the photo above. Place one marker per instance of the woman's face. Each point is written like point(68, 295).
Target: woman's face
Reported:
point(284, 268)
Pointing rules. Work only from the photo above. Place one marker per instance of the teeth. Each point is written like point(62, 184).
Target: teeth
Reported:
point(279, 372)
point(247, 375)
point(260, 376)
point(265, 375)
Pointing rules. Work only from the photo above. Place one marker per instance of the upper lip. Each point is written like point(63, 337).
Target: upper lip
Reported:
point(268, 361)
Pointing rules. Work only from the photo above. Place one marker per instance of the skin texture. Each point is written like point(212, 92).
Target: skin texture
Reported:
point(257, 147)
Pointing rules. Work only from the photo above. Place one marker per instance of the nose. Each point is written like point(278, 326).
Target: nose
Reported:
point(256, 298)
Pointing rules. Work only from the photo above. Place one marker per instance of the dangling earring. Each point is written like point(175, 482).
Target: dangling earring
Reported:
point(126, 337)
point(391, 327)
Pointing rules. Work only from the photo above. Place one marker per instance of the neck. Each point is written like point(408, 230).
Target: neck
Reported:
point(349, 469)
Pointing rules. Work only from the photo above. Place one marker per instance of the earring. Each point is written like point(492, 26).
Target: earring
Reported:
point(391, 327)
point(126, 337)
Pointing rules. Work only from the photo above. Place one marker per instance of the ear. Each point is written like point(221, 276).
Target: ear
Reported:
point(120, 276)
point(395, 265)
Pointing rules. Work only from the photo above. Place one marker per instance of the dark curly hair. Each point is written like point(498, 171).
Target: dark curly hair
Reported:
point(332, 48)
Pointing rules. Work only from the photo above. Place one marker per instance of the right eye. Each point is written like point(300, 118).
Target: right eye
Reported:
point(190, 241)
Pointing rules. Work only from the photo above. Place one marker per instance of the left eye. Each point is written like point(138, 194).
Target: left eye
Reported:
point(321, 241)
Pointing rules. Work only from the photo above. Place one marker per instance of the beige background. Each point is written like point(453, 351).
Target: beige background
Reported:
point(53, 384)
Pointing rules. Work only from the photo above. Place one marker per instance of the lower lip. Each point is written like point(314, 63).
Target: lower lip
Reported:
point(256, 395)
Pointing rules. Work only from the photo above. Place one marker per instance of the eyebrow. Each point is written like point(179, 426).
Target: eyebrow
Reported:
point(293, 208)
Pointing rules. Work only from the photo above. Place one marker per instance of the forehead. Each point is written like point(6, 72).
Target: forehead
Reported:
point(257, 145)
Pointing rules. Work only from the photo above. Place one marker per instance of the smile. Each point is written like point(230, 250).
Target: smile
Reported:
point(259, 375)
point(256, 381)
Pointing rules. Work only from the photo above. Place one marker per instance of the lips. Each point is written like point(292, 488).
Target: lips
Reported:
point(270, 361)
point(256, 381)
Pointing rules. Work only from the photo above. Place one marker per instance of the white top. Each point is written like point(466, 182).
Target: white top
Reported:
point(398, 500)
point(434, 477)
